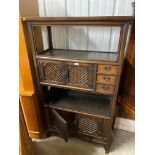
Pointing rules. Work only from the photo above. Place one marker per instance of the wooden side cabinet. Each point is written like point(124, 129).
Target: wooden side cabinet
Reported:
point(126, 97)
point(28, 98)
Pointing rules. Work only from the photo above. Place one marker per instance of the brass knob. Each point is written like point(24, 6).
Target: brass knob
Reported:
point(107, 68)
point(107, 78)
point(105, 87)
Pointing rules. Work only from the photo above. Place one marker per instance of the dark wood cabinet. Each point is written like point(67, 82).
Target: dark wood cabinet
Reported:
point(77, 88)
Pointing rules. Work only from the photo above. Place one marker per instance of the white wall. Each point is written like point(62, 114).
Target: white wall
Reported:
point(84, 38)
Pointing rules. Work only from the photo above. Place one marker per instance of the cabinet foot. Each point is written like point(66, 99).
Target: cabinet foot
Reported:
point(48, 133)
point(107, 145)
point(106, 151)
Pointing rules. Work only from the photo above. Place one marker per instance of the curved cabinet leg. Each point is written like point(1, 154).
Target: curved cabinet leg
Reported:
point(108, 137)
point(47, 118)
point(114, 119)
point(106, 151)
point(108, 144)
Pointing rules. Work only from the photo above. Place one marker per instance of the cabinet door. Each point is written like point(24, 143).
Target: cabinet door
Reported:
point(81, 75)
point(60, 124)
point(51, 71)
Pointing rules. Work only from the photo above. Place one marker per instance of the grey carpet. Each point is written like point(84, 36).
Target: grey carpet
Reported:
point(123, 144)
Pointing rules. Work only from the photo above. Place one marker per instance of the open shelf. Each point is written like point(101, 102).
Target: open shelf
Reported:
point(83, 103)
point(79, 55)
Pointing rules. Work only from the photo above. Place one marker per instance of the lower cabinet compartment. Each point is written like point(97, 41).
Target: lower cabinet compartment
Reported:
point(67, 124)
point(83, 115)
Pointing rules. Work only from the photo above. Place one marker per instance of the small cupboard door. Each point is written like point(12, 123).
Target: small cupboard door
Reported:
point(51, 71)
point(60, 124)
point(81, 75)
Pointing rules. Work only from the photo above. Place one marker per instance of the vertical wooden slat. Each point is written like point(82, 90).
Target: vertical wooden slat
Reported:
point(44, 37)
point(49, 37)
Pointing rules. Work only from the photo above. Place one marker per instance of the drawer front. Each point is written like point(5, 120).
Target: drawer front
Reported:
point(107, 89)
point(107, 69)
point(106, 79)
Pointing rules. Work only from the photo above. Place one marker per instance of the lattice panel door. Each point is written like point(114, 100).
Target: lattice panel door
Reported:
point(51, 72)
point(88, 125)
point(80, 75)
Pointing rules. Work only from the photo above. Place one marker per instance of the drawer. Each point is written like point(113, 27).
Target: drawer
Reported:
point(106, 79)
point(107, 89)
point(107, 69)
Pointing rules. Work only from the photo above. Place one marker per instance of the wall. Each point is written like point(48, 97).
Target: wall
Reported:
point(84, 38)
point(28, 8)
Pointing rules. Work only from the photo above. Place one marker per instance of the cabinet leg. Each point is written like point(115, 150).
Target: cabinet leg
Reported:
point(106, 151)
point(47, 118)
point(107, 145)
point(107, 148)
point(113, 123)
point(114, 119)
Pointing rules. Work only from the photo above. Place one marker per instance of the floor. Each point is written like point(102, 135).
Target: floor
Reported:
point(123, 114)
point(123, 144)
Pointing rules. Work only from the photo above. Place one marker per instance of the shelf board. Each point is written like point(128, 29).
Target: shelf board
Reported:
point(90, 104)
point(79, 55)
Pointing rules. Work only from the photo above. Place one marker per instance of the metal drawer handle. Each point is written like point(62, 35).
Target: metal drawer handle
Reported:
point(105, 87)
point(107, 78)
point(107, 68)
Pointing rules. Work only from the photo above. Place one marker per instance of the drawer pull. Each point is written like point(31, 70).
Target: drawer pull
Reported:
point(107, 68)
point(106, 78)
point(105, 87)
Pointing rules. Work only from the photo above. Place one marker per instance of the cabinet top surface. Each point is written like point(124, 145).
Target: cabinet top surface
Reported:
point(79, 55)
